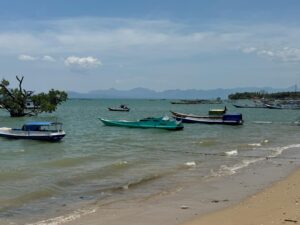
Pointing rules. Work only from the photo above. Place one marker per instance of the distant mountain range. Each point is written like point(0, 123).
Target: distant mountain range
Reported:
point(144, 93)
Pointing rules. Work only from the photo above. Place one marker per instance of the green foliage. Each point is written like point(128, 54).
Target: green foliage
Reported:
point(15, 100)
point(49, 102)
point(260, 95)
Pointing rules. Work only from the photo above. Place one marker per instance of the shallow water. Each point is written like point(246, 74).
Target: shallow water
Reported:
point(99, 163)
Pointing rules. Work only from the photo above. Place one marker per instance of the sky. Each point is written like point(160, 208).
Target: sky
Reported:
point(84, 45)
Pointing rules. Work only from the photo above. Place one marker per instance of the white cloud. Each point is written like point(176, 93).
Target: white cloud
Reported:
point(145, 39)
point(283, 54)
point(249, 50)
point(26, 58)
point(45, 58)
point(82, 62)
point(48, 58)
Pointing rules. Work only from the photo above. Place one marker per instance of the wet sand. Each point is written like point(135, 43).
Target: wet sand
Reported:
point(278, 204)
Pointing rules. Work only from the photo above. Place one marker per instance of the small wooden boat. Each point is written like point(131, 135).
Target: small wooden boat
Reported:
point(44, 131)
point(150, 122)
point(227, 119)
point(121, 108)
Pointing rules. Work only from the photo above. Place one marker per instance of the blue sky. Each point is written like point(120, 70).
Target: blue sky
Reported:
point(84, 45)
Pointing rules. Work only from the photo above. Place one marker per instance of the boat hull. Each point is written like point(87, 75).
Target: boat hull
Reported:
point(141, 124)
point(292, 107)
point(19, 134)
point(118, 109)
point(208, 121)
point(249, 106)
point(176, 114)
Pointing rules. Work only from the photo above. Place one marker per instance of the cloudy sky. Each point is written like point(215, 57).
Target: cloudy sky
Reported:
point(86, 45)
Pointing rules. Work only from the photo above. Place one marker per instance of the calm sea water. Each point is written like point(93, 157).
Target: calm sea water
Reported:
point(99, 163)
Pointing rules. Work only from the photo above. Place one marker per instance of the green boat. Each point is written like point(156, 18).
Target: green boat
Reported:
point(150, 122)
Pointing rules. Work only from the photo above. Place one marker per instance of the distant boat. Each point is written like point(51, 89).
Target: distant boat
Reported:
point(150, 122)
point(187, 102)
point(44, 131)
point(249, 106)
point(121, 108)
point(198, 101)
point(227, 119)
point(256, 103)
point(285, 106)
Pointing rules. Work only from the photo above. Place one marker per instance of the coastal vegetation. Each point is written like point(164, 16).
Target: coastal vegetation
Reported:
point(264, 95)
point(20, 102)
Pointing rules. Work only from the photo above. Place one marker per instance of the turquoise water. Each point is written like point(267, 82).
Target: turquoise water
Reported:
point(99, 163)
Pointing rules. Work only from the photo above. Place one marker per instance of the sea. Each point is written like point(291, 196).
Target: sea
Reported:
point(102, 164)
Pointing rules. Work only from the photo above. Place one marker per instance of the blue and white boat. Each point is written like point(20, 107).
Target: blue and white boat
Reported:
point(44, 131)
point(226, 119)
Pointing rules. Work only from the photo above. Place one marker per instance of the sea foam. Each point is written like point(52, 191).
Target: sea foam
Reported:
point(230, 170)
point(64, 219)
point(232, 153)
point(191, 164)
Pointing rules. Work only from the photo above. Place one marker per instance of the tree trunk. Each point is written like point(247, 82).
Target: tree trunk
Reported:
point(17, 114)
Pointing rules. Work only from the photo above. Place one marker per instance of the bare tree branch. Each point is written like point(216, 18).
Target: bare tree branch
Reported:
point(20, 86)
point(8, 91)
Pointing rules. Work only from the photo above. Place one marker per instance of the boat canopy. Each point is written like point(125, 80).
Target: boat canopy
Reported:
point(36, 126)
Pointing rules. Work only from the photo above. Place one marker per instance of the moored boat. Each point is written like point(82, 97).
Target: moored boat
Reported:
point(177, 114)
point(44, 131)
point(227, 119)
point(254, 104)
point(121, 108)
point(150, 122)
point(249, 106)
point(285, 106)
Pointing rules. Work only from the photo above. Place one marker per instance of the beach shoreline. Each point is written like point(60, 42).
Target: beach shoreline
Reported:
point(277, 204)
point(191, 206)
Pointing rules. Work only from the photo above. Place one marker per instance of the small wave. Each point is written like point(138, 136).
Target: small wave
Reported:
point(207, 142)
point(230, 170)
point(120, 164)
point(255, 144)
point(140, 182)
point(262, 122)
point(232, 153)
point(190, 164)
point(279, 150)
point(64, 219)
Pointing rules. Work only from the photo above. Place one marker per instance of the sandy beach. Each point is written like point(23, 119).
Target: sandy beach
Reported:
point(278, 204)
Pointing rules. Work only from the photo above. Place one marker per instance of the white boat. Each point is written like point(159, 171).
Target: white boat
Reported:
point(44, 131)
point(121, 108)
